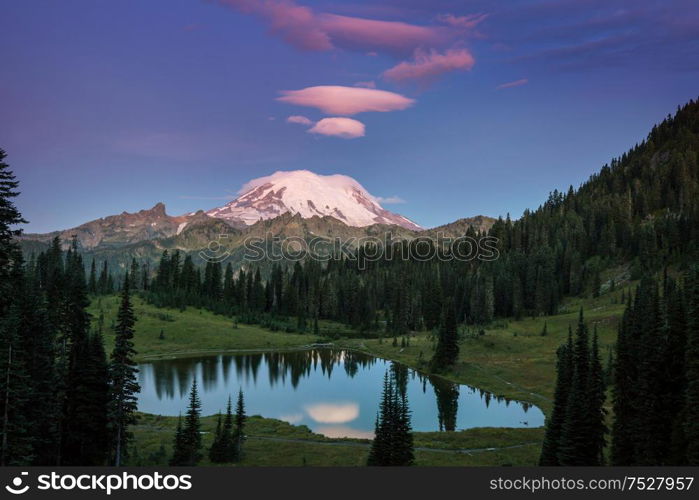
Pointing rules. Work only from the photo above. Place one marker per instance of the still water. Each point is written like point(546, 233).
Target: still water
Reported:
point(333, 392)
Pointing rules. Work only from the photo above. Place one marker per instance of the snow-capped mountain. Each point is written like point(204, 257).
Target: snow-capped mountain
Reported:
point(308, 194)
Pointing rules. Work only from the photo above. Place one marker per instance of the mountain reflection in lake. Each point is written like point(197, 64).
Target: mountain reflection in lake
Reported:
point(334, 392)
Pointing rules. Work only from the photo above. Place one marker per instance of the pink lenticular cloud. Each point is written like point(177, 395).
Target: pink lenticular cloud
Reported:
point(307, 29)
point(296, 24)
point(346, 128)
point(339, 100)
point(516, 83)
point(427, 66)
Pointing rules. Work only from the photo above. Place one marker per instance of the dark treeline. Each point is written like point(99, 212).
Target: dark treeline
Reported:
point(656, 375)
point(576, 429)
point(640, 211)
point(655, 385)
point(59, 396)
point(103, 281)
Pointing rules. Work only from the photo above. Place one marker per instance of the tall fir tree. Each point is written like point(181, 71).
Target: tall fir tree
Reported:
point(238, 437)
point(574, 447)
point(187, 446)
point(596, 413)
point(554, 425)
point(393, 439)
point(10, 217)
point(447, 350)
point(124, 387)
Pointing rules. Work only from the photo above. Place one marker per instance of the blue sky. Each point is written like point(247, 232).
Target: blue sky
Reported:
point(116, 105)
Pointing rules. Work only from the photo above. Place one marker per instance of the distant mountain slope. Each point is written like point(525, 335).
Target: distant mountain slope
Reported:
point(146, 234)
point(479, 223)
point(125, 228)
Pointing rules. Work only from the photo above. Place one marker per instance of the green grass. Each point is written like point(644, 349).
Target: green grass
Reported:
point(275, 443)
point(189, 332)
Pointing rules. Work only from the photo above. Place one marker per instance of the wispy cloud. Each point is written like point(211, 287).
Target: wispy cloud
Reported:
point(295, 24)
point(462, 22)
point(390, 200)
point(393, 36)
point(509, 85)
point(427, 66)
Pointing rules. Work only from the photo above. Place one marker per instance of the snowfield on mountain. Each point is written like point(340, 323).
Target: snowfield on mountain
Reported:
point(308, 194)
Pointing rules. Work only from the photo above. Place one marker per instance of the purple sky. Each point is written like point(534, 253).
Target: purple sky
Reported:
point(454, 108)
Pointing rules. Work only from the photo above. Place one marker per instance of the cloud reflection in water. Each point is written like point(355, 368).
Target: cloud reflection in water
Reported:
point(333, 413)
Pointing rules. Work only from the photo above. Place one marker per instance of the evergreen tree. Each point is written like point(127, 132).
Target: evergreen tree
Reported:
point(92, 282)
point(179, 448)
point(226, 445)
point(447, 350)
point(596, 413)
point(380, 452)
point(574, 446)
point(216, 450)
point(9, 217)
point(123, 371)
point(187, 449)
point(393, 439)
point(554, 425)
point(238, 436)
point(103, 284)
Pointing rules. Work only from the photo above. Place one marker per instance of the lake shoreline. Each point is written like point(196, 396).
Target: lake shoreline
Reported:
point(365, 351)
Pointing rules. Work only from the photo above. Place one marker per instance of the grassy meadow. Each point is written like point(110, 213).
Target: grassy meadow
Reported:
point(189, 332)
point(275, 443)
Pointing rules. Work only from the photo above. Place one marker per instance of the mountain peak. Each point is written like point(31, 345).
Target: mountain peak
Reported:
point(308, 194)
point(157, 210)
